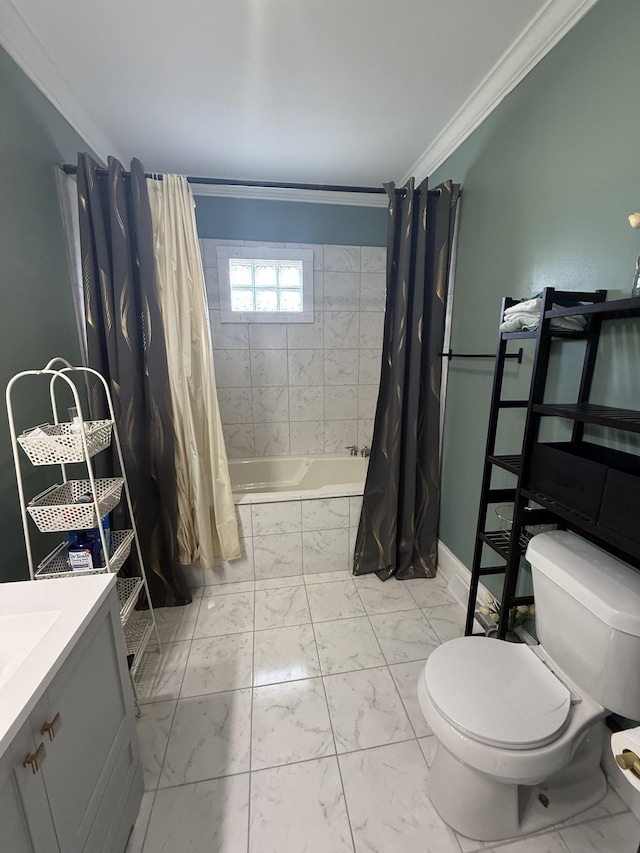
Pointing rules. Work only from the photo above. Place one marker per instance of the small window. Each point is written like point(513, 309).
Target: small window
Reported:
point(265, 285)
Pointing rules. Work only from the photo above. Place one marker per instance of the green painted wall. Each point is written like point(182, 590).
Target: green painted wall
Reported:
point(290, 222)
point(37, 319)
point(548, 181)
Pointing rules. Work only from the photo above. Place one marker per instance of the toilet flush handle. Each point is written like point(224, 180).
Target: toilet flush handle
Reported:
point(628, 760)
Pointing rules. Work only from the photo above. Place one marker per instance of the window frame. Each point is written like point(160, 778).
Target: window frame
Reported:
point(256, 253)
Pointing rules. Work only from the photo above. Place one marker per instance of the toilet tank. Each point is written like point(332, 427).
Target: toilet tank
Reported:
point(588, 617)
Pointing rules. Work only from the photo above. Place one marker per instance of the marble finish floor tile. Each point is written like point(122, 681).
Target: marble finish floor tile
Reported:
point(387, 597)
point(615, 834)
point(404, 636)
point(139, 831)
point(345, 645)
point(278, 608)
point(366, 710)
point(406, 677)
point(153, 727)
point(388, 802)
point(216, 664)
point(159, 675)
point(610, 804)
point(290, 723)
point(284, 654)
point(204, 817)
point(225, 614)
point(210, 737)
point(429, 592)
point(232, 586)
point(337, 600)
point(299, 808)
point(550, 842)
point(429, 746)
point(277, 583)
point(177, 623)
point(447, 620)
point(327, 577)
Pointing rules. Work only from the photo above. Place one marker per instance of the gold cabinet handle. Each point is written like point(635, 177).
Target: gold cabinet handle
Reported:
point(52, 728)
point(628, 760)
point(35, 759)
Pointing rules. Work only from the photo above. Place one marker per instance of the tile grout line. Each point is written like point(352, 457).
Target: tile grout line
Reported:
point(253, 664)
point(387, 665)
point(178, 698)
point(146, 829)
point(333, 734)
point(301, 761)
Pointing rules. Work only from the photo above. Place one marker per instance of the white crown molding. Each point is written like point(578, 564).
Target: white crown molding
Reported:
point(545, 30)
point(286, 194)
point(28, 52)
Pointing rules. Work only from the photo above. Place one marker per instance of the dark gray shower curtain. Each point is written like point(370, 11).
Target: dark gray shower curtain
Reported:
point(398, 530)
point(125, 342)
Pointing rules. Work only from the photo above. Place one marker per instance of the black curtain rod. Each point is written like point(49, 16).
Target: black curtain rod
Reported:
point(518, 355)
point(70, 169)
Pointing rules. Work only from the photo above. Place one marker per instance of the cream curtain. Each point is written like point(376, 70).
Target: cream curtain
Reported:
point(207, 525)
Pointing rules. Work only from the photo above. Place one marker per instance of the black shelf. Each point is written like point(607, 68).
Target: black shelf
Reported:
point(591, 413)
point(519, 336)
point(500, 541)
point(511, 545)
point(512, 463)
point(580, 524)
point(615, 309)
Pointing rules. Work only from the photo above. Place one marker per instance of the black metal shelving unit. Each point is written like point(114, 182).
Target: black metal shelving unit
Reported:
point(531, 508)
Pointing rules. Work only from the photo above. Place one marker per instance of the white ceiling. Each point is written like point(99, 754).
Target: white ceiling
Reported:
point(326, 91)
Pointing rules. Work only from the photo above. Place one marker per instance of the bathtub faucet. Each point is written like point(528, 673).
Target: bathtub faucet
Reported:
point(366, 451)
point(353, 449)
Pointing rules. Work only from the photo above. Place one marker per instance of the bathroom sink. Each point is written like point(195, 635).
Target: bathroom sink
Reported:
point(20, 633)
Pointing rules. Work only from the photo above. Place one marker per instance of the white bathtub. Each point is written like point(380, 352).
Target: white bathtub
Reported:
point(284, 478)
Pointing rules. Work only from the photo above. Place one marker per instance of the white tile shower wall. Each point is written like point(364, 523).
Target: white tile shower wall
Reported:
point(303, 388)
point(287, 538)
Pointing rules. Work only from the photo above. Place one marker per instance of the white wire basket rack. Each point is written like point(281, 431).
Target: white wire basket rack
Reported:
point(57, 509)
point(61, 444)
point(136, 634)
point(56, 564)
point(128, 590)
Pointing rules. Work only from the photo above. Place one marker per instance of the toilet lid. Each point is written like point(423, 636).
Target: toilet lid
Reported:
point(498, 693)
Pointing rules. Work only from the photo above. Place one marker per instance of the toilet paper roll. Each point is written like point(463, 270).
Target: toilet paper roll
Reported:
point(629, 740)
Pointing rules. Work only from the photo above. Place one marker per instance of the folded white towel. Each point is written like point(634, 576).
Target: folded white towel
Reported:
point(519, 323)
point(529, 306)
point(527, 322)
point(525, 317)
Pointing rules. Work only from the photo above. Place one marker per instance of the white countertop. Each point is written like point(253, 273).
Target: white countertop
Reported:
point(40, 622)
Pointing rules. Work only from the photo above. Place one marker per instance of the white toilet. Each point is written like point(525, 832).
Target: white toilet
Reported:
point(520, 728)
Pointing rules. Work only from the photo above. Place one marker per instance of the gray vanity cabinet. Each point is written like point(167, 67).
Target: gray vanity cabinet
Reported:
point(91, 774)
point(25, 819)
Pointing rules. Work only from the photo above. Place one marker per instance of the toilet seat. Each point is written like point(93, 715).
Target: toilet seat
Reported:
point(498, 693)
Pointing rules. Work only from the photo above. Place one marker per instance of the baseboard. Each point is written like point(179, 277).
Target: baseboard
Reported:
point(449, 565)
point(457, 575)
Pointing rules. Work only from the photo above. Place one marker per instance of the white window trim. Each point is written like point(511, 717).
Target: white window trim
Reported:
point(257, 253)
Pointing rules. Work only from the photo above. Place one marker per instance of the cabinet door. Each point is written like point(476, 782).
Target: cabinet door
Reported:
point(25, 820)
point(95, 720)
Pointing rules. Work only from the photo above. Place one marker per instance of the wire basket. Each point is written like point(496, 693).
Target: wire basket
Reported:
point(56, 564)
point(505, 520)
point(57, 508)
point(60, 444)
